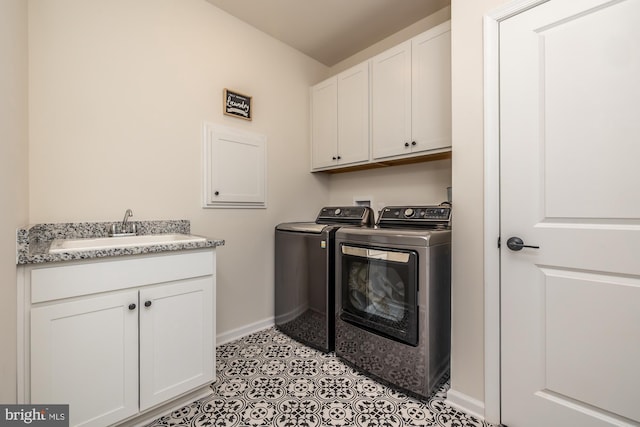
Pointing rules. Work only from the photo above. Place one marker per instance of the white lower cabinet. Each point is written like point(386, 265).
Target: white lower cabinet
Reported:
point(85, 353)
point(176, 340)
point(112, 354)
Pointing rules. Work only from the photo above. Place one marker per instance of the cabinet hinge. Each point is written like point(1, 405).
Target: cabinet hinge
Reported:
point(498, 242)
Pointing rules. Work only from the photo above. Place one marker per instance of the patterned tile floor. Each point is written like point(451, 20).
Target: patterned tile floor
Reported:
point(269, 379)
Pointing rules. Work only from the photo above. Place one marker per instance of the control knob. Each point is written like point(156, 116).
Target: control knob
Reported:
point(408, 213)
point(337, 212)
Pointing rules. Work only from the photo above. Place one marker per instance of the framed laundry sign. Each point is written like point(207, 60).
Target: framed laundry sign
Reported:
point(236, 104)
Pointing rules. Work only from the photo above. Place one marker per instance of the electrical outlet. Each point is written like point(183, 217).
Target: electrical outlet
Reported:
point(363, 201)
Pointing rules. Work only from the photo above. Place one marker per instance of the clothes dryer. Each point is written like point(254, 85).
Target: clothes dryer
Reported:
point(393, 297)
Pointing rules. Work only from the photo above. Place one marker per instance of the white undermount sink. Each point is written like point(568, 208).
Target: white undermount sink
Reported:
point(76, 245)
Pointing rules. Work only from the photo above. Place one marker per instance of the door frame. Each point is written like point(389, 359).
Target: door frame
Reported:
point(491, 68)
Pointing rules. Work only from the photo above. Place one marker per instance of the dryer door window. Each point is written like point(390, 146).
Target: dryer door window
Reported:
point(379, 289)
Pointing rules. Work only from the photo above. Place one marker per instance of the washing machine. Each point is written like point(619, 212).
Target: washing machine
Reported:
point(305, 273)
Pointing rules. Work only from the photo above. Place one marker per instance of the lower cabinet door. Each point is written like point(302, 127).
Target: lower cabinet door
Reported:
point(85, 354)
point(176, 339)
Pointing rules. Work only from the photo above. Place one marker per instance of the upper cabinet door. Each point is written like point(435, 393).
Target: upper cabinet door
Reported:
point(353, 115)
point(324, 124)
point(391, 102)
point(431, 89)
point(235, 168)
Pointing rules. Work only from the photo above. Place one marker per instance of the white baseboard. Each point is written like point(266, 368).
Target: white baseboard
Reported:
point(466, 403)
point(242, 331)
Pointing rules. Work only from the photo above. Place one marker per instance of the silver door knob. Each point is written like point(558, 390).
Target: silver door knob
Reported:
point(516, 244)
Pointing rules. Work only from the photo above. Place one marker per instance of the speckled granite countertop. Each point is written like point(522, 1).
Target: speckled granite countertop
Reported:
point(33, 242)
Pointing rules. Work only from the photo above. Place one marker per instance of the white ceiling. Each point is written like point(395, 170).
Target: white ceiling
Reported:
point(330, 30)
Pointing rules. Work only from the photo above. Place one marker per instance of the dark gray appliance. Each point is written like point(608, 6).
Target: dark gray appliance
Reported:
point(393, 297)
point(304, 274)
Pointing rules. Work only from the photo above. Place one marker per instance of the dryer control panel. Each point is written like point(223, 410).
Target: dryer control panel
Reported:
point(437, 216)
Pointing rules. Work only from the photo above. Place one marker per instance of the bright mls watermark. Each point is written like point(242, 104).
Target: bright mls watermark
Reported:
point(34, 415)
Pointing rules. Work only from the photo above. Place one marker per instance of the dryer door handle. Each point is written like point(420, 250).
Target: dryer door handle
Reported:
point(379, 254)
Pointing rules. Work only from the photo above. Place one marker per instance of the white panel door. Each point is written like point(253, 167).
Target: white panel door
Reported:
point(570, 146)
point(85, 353)
point(176, 339)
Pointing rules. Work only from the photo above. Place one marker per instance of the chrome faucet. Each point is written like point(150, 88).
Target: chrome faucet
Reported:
point(128, 214)
point(124, 228)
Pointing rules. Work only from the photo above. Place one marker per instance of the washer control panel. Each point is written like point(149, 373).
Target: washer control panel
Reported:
point(359, 215)
point(415, 216)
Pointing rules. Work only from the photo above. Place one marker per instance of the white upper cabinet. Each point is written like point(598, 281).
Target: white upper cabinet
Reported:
point(391, 101)
point(411, 96)
point(324, 123)
point(395, 106)
point(353, 115)
point(431, 89)
point(340, 119)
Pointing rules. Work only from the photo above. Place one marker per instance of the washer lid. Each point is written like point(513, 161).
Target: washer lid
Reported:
point(302, 227)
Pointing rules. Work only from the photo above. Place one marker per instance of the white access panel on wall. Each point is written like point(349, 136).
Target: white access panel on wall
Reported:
point(234, 168)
